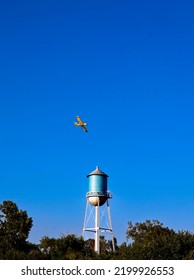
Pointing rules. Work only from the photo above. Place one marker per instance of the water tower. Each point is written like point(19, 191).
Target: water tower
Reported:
point(96, 197)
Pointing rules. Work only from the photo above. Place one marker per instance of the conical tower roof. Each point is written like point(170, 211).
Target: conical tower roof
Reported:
point(97, 171)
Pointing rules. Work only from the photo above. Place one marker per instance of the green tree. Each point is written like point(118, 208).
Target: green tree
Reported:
point(15, 226)
point(185, 240)
point(67, 247)
point(151, 240)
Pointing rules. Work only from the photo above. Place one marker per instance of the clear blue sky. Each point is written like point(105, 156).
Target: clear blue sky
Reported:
point(127, 68)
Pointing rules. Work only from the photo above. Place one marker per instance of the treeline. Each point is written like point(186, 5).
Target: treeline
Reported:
point(145, 241)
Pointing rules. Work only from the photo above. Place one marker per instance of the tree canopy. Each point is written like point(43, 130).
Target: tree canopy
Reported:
point(149, 240)
point(15, 226)
point(152, 241)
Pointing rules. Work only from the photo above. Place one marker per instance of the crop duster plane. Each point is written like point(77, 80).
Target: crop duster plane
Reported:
point(80, 123)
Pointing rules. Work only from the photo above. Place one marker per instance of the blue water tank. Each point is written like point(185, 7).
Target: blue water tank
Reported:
point(97, 181)
point(97, 193)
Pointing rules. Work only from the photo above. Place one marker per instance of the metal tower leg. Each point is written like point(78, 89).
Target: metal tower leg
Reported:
point(85, 217)
point(97, 228)
point(110, 223)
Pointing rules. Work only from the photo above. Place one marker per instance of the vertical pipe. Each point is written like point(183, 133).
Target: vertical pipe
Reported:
point(97, 227)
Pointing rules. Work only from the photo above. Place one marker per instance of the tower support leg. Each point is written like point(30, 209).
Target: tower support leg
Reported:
point(97, 229)
point(110, 223)
point(85, 219)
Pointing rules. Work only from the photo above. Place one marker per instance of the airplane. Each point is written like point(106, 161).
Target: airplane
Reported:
point(80, 123)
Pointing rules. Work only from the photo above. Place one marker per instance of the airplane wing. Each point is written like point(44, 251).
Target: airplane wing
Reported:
point(79, 120)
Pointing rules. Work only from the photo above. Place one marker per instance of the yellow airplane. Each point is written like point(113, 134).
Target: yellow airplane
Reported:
point(80, 123)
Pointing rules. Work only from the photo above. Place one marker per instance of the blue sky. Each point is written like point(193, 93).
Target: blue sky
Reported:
point(127, 68)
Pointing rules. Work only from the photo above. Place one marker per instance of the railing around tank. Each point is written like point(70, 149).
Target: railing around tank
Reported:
point(106, 194)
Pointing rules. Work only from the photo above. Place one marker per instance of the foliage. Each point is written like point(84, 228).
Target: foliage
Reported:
point(149, 240)
point(15, 226)
point(152, 241)
point(14, 222)
point(67, 247)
